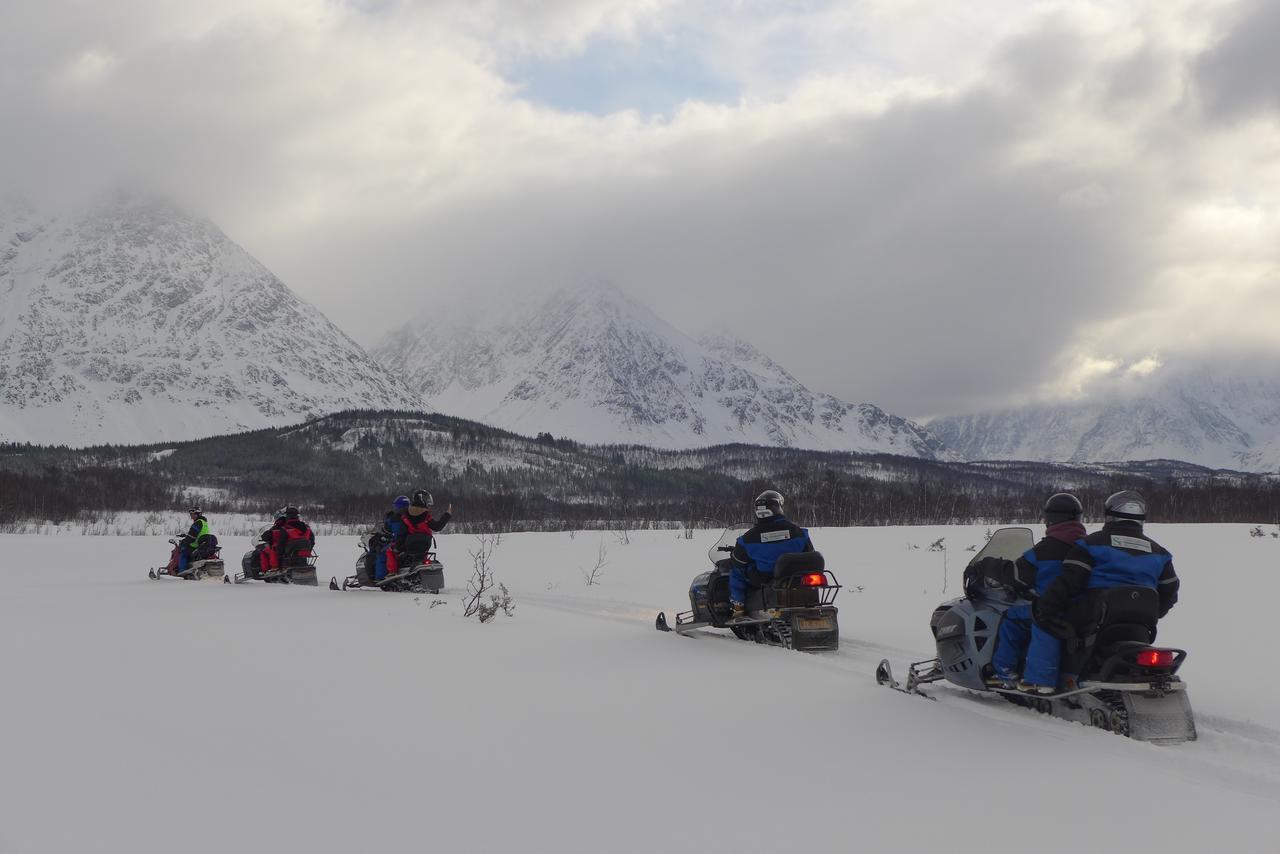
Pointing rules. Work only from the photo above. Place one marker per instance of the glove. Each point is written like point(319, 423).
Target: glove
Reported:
point(1051, 623)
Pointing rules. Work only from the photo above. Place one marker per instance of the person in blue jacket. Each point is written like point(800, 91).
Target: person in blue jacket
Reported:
point(390, 528)
point(1119, 555)
point(756, 551)
point(1027, 657)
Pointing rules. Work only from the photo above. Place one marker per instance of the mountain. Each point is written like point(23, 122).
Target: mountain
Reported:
point(1217, 417)
point(594, 365)
point(135, 322)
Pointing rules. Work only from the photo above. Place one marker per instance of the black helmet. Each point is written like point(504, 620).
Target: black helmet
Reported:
point(281, 513)
point(194, 511)
point(422, 498)
point(1062, 507)
point(768, 504)
point(1126, 505)
point(291, 511)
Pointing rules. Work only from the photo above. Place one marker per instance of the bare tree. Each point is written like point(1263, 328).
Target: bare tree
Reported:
point(481, 580)
point(623, 536)
point(592, 576)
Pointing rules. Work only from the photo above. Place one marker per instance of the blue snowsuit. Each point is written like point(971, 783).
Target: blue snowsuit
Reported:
point(1119, 555)
point(391, 526)
point(758, 550)
point(1019, 637)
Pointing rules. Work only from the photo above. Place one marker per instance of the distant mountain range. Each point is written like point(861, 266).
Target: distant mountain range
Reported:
point(594, 365)
point(135, 322)
point(1223, 418)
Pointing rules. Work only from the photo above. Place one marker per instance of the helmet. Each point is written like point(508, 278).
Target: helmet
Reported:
point(194, 511)
point(401, 502)
point(291, 511)
point(768, 504)
point(281, 513)
point(1126, 505)
point(422, 498)
point(1062, 507)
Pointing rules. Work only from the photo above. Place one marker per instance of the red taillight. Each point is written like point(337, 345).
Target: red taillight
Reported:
point(815, 579)
point(1156, 658)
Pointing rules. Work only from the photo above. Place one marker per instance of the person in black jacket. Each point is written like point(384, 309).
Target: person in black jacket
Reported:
point(1026, 656)
point(758, 549)
point(1119, 555)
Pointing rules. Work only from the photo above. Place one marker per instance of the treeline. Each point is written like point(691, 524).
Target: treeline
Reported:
point(346, 468)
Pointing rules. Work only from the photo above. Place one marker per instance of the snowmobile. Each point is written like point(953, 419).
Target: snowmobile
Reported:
point(420, 571)
point(294, 568)
point(206, 560)
point(1126, 684)
point(794, 609)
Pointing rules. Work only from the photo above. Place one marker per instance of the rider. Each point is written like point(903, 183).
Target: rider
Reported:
point(387, 533)
point(191, 539)
point(416, 520)
point(269, 555)
point(288, 527)
point(1119, 555)
point(758, 549)
point(1030, 576)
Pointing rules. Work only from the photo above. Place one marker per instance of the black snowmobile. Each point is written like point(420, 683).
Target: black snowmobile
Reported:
point(420, 571)
point(1126, 684)
point(295, 568)
point(205, 563)
point(794, 609)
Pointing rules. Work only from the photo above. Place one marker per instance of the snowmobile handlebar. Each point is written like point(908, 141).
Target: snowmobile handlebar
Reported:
point(724, 548)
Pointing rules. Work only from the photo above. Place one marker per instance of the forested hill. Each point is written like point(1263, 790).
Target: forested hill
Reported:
point(346, 467)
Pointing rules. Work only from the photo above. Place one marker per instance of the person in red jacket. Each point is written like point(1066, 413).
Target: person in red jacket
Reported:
point(288, 528)
point(269, 557)
point(416, 520)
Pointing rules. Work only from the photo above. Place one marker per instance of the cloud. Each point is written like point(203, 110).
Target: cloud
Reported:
point(935, 212)
point(1240, 75)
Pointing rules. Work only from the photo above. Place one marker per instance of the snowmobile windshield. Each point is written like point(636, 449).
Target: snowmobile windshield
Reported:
point(1007, 543)
point(726, 541)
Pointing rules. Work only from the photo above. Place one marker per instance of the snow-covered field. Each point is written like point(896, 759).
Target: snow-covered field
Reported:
point(168, 716)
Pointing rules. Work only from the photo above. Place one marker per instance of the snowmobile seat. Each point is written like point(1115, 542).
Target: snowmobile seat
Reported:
point(798, 563)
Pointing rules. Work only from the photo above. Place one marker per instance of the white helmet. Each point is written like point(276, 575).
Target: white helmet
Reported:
point(1126, 505)
point(768, 504)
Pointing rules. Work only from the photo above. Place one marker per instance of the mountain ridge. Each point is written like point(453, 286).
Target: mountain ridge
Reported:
point(134, 321)
point(593, 364)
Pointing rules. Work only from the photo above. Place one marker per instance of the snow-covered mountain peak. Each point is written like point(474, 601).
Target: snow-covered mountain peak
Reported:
point(133, 321)
point(595, 364)
point(1222, 416)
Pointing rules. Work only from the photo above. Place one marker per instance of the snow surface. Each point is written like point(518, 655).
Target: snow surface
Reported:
point(162, 716)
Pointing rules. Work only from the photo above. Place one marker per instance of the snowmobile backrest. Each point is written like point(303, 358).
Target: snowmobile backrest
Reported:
point(1132, 605)
point(417, 544)
point(798, 563)
point(206, 545)
point(292, 547)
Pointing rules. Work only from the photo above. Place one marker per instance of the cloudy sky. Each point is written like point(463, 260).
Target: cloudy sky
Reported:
point(932, 206)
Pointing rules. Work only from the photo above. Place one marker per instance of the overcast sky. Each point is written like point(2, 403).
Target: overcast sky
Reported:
point(931, 206)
